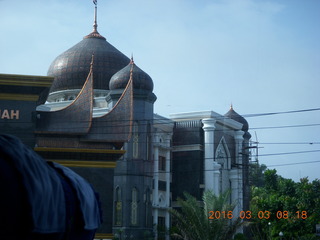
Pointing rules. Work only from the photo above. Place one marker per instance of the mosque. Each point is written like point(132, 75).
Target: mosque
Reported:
point(94, 112)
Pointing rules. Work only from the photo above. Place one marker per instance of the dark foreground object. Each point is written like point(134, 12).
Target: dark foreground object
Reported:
point(43, 201)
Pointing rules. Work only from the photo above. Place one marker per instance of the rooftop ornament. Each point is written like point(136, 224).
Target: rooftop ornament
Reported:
point(95, 33)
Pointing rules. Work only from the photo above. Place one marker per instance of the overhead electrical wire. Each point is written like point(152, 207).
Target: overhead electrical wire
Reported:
point(283, 112)
point(287, 143)
point(195, 129)
point(286, 126)
point(289, 164)
point(309, 143)
point(168, 120)
point(287, 153)
point(239, 166)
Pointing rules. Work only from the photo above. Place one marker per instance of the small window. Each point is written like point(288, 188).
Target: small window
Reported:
point(162, 163)
point(118, 207)
point(135, 144)
point(134, 207)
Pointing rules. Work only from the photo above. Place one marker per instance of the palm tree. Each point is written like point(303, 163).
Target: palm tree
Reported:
point(192, 219)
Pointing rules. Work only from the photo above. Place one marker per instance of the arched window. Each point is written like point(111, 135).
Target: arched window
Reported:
point(118, 207)
point(223, 158)
point(134, 207)
point(135, 138)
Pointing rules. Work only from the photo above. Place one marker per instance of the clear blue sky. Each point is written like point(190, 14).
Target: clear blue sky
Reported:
point(262, 56)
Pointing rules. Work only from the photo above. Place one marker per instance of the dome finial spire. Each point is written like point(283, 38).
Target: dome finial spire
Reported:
point(95, 33)
point(95, 25)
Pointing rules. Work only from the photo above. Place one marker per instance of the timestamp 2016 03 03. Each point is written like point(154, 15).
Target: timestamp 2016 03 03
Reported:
point(257, 215)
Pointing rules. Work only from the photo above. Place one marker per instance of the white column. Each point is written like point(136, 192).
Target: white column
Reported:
point(234, 178)
point(156, 183)
point(236, 183)
point(168, 190)
point(209, 127)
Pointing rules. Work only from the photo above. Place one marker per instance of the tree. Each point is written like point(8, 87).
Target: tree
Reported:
point(256, 174)
point(193, 218)
point(294, 207)
point(271, 180)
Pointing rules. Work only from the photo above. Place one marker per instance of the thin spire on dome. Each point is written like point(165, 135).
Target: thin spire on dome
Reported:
point(95, 33)
point(231, 106)
point(131, 60)
point(95, 25)
point(131, 69)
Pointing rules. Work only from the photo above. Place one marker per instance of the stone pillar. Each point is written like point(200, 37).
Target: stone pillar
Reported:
point(168, 190)
point(209, 127)
point(156, 184)
point(234, 178)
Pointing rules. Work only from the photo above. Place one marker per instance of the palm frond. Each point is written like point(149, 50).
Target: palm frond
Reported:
point(192, 218)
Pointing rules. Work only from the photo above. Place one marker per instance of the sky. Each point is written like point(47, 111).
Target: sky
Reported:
point(263, 56)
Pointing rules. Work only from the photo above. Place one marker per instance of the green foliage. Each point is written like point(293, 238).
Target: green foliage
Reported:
point(192, 219)
point(256, 174)
point(294, 207)
point(239, 236)
point(271, 180)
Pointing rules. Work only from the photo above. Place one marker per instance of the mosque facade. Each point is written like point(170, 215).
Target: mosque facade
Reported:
point(94, 113)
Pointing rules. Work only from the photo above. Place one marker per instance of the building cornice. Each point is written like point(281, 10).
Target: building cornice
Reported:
point(19, 97)
point(79, 150)
point(220, 119)
point(86, 164)
point(184, 148)
point(25, 80)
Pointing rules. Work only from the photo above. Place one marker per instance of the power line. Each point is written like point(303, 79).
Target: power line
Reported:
point(289, 164)
point(288, 143)
point(168, 120)
point(190, 129)
point(238, 167)
point(309, 143)
point(286, 153)
point(284, 112)
point(287, 126)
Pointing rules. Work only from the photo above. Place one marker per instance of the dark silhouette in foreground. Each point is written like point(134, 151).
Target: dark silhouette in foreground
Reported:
point(43, 200)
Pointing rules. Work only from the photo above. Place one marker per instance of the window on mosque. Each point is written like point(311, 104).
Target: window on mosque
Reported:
point(222, 157)
point(135, 150)
point(118, 207)
point(162, 163)
point(134, 207)
point(161, 227)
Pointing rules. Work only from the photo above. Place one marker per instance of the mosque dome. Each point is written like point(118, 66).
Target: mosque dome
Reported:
point(70, 69)
point(237, 117)
point(141, 80)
